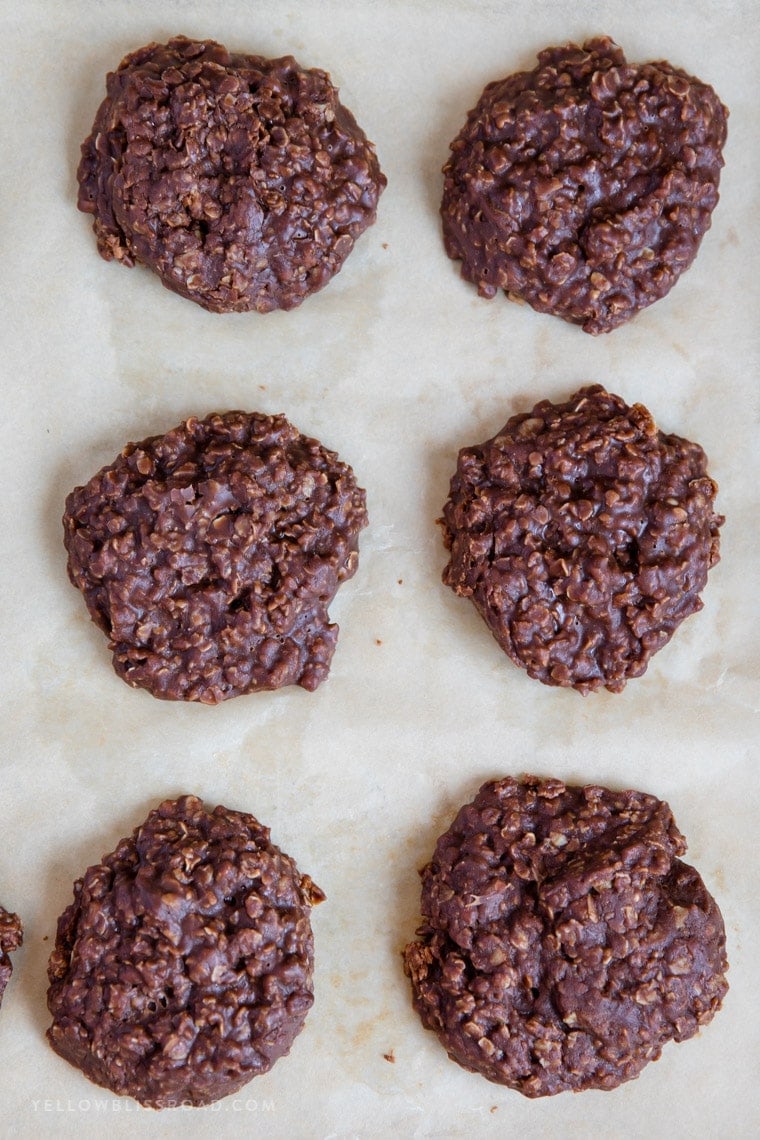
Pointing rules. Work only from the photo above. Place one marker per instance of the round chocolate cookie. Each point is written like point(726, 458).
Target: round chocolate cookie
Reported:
point(583, 535)
point(564, 942)
point(242, 181)
point(11, 937)
point(209, 556)
point(585, 186)
point(183, 968)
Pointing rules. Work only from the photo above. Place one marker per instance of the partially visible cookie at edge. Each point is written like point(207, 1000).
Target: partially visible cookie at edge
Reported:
point(586, 185)
point(564, 942)
point(583, 535)
point(209, 556)
point(183, 968)
point(243, 182)
point(11, 937)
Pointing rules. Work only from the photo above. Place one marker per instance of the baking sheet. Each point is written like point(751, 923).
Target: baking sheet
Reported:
point(396, 365)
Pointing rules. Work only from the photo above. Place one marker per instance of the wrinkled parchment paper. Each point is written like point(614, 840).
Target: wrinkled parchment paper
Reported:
point(396, 365)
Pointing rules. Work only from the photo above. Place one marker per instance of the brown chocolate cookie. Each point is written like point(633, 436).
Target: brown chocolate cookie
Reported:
point(11, 937)
point(585, 186)
point(183, 968)
point(583, 535)
point(243, 182)
point(209, 556)
point(564, 942)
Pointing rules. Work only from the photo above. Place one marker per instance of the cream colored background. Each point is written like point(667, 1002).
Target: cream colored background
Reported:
point(396, 364)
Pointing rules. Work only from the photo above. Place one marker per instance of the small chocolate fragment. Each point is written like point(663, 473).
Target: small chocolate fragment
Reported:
point(564, 942)
point(585, 186)
point(209, 556)
point(242, 181)
point(183, 967)
point(11, 937)
point(583, 535)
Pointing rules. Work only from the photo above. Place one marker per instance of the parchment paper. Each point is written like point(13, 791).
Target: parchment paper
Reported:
point(396, 365)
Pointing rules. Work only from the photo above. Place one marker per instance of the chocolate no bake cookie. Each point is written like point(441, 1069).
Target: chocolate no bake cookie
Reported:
point(209, 556)
point(583, 535)
point(242, 181)
point(11, 937)
point(183, 968)
point(585, 186)
point(564, 942)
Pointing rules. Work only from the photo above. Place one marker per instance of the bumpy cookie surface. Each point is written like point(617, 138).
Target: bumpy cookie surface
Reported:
point(11, 937)
point(242, 181)
point(209, 556)
point(183, 968)
point(583, 535)
point(585, 186)
point(564, 942)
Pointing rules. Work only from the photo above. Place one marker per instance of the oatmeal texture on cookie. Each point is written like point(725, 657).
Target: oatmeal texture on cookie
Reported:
point(585, 186)
point(11, 937)
point(183, 967)
point(583, 535)
point(564, 942)
point(209, 556)
point(242, 181)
